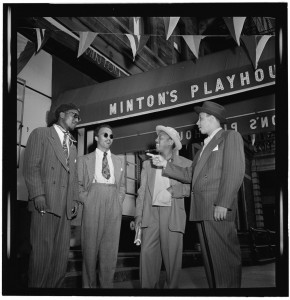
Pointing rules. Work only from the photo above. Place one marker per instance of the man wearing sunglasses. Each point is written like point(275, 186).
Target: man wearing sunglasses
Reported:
point(102, 190)
point(50, 172)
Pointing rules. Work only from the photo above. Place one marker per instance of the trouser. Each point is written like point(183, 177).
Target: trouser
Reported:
point(50, 241)
point(221, 253)
point(102, 214)
point(158, 243)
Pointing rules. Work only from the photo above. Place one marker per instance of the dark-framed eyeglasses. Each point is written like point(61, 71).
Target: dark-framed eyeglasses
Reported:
point(74, 115)
point(106, 135)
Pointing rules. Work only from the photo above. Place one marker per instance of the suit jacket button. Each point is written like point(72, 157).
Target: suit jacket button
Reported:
point(53, 182)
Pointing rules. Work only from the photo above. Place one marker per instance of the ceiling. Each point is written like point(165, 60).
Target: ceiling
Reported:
point(115, 46)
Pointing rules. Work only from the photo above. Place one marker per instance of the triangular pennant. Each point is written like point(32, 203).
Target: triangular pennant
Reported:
point(170, 23)
point(142, 42)
point(86, 38)
point(193, 42)
point(136, 25)
point(255, 44)
point(39, 38)
point(137, 43)
point(42, 36)
point(249, 42)
point(260, 47)
point(134, 40)
point(235, 26)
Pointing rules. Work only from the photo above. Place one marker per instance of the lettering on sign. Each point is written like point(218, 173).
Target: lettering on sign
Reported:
point(193, 91)
point(103, 62)
point(230, 82)
point(141, 103)
point(253, 123)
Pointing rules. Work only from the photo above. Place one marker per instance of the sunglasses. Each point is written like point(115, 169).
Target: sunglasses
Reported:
point(74, 115)
point(106, 135)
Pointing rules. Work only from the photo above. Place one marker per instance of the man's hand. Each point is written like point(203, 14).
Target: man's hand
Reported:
point(158, 160)
point(220, 213)
point(40, 205)
point(138, 222)
point(75, 210)
point(170, 190)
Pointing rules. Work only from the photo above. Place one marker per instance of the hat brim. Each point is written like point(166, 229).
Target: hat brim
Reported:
point(177, 142)
point(200, 109)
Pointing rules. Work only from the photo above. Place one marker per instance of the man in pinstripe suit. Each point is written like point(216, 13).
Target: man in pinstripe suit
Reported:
point(102, 189)
point(51, 177)
point(216, 175)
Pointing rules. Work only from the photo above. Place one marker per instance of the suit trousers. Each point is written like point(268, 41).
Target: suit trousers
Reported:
point(221, 253)
point(159, 242)
point(102, 215)
point(50, 241)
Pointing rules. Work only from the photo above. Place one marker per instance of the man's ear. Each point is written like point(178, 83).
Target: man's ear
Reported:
point(61, 115)
point(96, 139)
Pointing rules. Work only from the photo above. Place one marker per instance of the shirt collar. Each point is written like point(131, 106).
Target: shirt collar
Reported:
point(58, 130)
point(209, 138)
point(215, 132)
point(101, 153)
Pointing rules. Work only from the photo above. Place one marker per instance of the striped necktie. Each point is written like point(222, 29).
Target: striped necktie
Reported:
point(65, 147)
point(105, 167)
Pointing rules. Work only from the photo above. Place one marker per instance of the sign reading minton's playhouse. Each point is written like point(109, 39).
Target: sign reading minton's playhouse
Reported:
point(188, 92)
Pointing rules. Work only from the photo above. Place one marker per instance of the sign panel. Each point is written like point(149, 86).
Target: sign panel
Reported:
point(184, 93)
point(246, 124)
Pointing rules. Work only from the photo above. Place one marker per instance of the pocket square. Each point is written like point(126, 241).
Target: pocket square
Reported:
point(216, 148)
point(121, 169)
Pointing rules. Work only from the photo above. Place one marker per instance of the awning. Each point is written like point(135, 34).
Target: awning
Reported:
point(212, 76)
point(250, 116)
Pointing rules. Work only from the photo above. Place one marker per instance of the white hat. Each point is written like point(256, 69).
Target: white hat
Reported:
point(174, 135)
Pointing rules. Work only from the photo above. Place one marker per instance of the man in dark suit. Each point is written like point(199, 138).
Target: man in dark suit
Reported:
point(160, 213)
point(50, 173)
point(216, 175)
point(102, 191)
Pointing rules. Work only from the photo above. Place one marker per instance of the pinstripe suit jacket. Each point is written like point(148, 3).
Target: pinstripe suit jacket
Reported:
point(179, 191)
point(216, 177)
point(46, 173)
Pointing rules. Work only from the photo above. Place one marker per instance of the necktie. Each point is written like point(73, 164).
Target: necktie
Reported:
point(105, 167)
point(65, 148)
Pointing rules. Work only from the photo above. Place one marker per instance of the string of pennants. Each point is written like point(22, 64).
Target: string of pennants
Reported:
point(253, 44)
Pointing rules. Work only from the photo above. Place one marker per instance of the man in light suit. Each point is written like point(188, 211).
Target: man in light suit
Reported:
point(102, 190)
point(216, 175)
point(50, 173)
point(160, 213)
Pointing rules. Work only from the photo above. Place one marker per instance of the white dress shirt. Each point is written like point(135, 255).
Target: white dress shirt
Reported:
point(161, 196)
point(98, 168)
point(208, 139)
point(61, 135)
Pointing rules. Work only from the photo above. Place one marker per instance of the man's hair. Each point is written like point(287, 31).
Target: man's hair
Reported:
point(97, 130)
point(64, 108)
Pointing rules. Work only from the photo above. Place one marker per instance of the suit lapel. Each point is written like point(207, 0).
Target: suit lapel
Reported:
point(196, 157)
point(151, 178)
point(56, 144)
point(91, 163)
point(72, 156)
point(205, 155)
point(117, 168)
